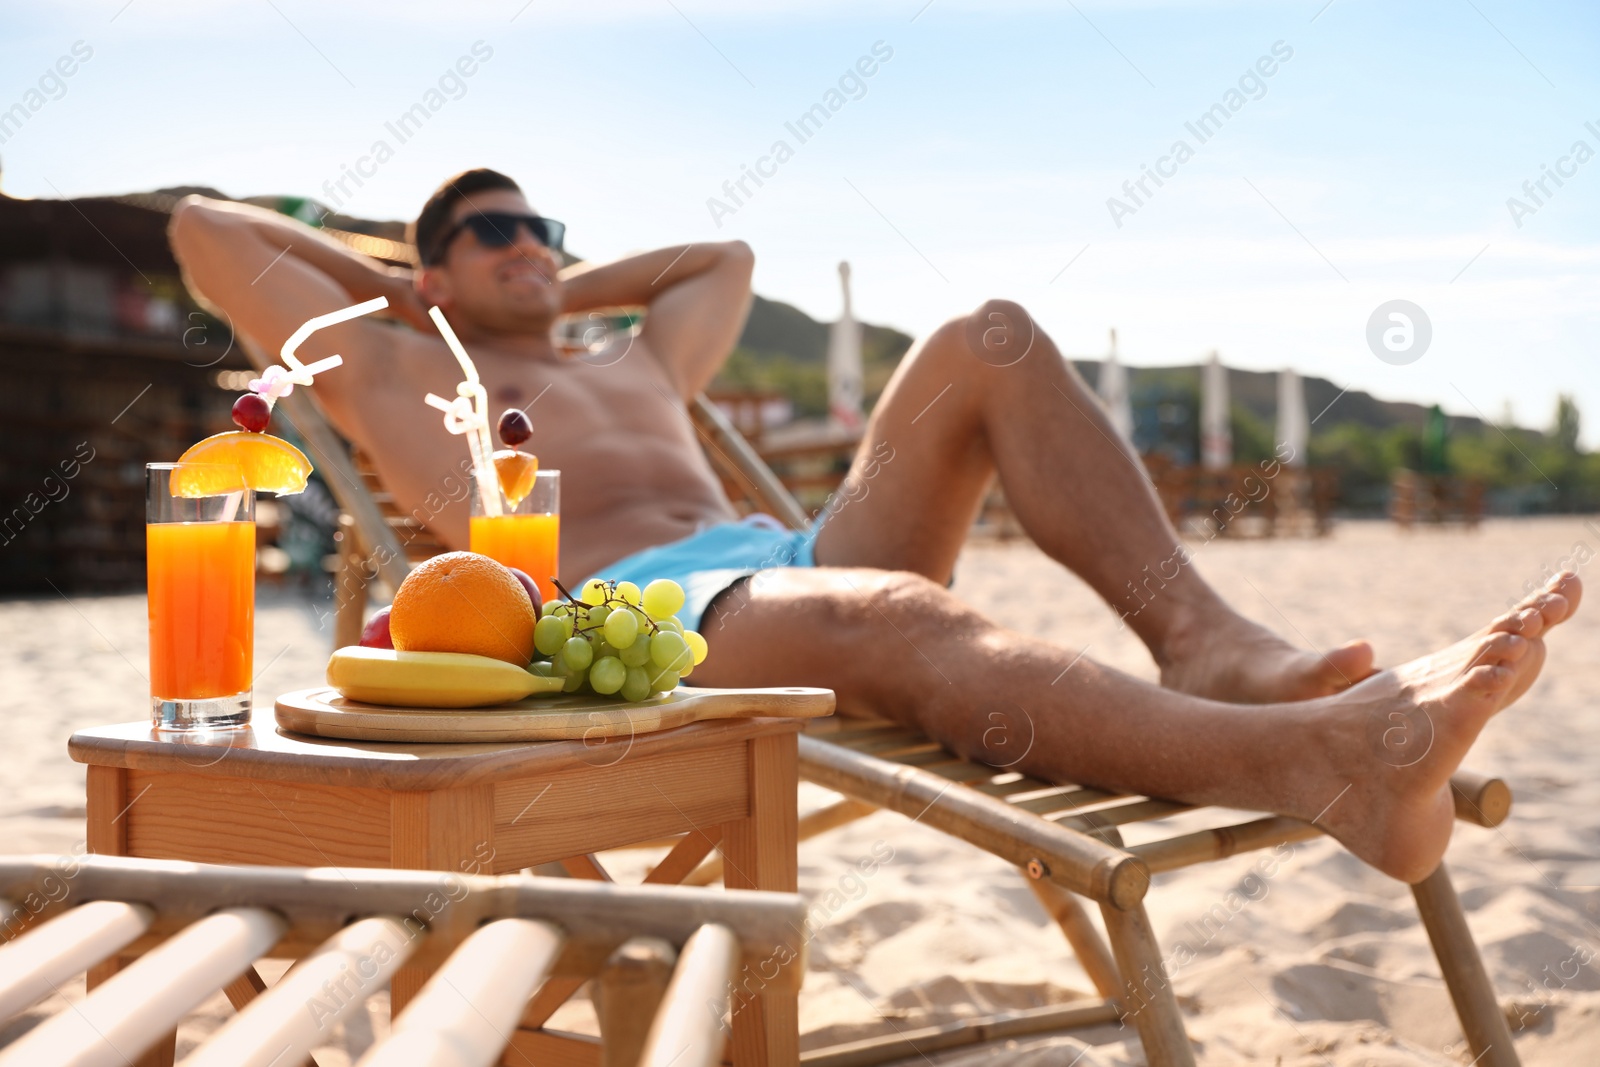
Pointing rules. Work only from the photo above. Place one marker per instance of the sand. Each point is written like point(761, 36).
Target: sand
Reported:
point(1321, 962)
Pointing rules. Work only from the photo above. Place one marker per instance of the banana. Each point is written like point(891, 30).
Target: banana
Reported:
point(430, 679)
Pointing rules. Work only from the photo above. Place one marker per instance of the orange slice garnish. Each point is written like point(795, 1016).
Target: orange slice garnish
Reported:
point(516, 471)
point(228, 462)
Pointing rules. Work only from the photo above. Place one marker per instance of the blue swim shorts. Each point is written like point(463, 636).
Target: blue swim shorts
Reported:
point(710, 560)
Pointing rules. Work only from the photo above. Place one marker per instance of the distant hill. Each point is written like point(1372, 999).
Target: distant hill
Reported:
point(776, 328)
point(1256, 392)
point(786, 350)
point(780, 343)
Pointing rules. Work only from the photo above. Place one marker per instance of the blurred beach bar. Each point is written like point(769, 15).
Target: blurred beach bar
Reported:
point(107, 364)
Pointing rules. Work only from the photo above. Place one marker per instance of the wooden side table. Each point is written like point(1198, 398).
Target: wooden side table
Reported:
point(260, 796)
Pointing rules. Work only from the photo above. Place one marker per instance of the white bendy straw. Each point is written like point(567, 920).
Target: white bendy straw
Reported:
point(468, 415)
point(278, 381)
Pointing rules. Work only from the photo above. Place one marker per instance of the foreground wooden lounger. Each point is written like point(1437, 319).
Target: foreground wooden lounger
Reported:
point(667, 960)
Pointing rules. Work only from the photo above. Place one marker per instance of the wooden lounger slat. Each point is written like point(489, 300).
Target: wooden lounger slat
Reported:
point(863, 734)
point(283, 1024)
point(1121, 814)
point(33, 965)
point(1022, 784)
point(1083, 865)
point(928, 1039)
point(594, 917)
point(1069, 798)
point(1203, 845)
point(917, 755)
point(688, 1028)
point(143, 1003)
point(835, 724)
point(890, 746)
point(958, 770)
point(848, 725)
point(1479, 799)
point(506, 946)
point(462, 1015)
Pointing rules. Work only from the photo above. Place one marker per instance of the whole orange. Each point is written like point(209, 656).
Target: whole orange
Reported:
point(464, 602)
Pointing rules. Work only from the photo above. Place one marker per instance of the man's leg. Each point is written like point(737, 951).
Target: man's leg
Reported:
point(989, 393)
point(900, 645)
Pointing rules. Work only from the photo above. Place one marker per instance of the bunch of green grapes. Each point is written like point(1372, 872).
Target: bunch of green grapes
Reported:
point(614, 637)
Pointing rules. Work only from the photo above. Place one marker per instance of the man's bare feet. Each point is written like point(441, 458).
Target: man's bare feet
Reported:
point(1236, 661)
point(1391, 743)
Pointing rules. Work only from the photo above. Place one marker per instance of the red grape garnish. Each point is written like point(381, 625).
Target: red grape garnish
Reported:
point(250, 412)
point(515, 427)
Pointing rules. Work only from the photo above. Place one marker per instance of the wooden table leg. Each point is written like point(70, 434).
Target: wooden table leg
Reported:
point(446, 830)
point(759, 853)
point(106, 834)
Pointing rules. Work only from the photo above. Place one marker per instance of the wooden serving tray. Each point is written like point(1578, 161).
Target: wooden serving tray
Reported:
point(322, 712)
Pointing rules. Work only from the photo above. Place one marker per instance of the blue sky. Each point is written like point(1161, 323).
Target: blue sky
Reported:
point(1374, 164)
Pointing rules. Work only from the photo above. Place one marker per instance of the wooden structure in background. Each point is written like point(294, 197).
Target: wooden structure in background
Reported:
point(159, 938)
point(1437, 499)
point(263, 796)
point(1242, 500)
point(108, 365)
point(746, 408)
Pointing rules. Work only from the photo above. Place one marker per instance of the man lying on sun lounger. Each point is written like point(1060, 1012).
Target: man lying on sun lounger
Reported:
point(859, 604)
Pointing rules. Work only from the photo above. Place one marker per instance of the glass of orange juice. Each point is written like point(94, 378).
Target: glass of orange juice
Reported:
point(200, 557)
point(526, 534)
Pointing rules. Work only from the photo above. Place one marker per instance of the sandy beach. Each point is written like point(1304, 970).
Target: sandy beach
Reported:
point(1324, 963)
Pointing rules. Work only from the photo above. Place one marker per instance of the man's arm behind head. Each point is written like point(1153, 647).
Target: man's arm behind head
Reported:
point(697, 297)
point(230, 254)
point(265, 275)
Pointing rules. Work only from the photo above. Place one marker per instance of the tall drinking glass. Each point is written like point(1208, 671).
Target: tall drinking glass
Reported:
point(526, 536)
point(201, 571)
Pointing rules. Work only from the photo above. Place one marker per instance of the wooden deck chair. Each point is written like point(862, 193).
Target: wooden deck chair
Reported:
point(1067, 842)
point(1063, 837)
point(666, 960)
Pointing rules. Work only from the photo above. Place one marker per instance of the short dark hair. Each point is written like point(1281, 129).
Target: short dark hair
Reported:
point(435, 215)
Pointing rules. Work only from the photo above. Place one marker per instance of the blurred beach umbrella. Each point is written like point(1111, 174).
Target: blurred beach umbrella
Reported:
point(1435, 442)
point(1113, 390)
point(1216, 434)
point(1294, 429)
point(844, 363)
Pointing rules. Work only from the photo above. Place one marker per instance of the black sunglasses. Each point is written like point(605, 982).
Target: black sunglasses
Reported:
point(498, 229)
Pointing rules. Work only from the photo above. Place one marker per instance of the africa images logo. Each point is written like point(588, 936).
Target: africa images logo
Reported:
point(1399, 332)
